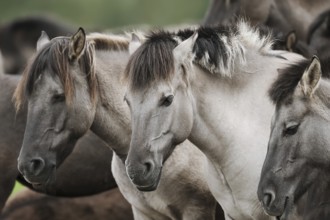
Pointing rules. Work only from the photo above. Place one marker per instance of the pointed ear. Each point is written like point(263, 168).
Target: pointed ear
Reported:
point(311, 77)
point(134, 44)
point(77, 44)
point(42, 41)
point(185, 49)
point(290, 41)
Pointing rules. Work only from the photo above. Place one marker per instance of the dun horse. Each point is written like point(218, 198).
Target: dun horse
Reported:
point(73, 84)
point(298, 158)
point(208, 86)
point(72, 178)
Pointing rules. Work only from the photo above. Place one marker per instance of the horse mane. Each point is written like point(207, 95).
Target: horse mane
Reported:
point(109, 42)
point(54, 57)
point(287, 81)
point(217, 50)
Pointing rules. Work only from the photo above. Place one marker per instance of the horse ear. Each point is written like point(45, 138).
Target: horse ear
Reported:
point(77, 44)
point(311, 77)
point(134, 44)
point(291, 41)
point(185, 49)
point(42, 41)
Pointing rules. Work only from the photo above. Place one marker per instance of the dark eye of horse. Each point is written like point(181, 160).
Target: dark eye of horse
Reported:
point(167, 101)
point(291, 129)
point(58, 98)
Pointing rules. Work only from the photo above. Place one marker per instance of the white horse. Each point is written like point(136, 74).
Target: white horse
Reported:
point(208, 86)
point(73, 84)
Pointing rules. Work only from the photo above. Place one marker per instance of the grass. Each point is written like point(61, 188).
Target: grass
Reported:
point(18, 187)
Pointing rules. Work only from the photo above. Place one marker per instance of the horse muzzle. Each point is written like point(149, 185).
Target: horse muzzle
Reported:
point(36, 171)
point(145, 176)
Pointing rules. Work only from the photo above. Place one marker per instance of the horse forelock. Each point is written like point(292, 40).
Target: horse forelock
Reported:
point(284, 86)
point(54, 58)
point(152, 61)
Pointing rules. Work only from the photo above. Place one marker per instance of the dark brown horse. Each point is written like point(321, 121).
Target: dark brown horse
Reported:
point(18, 39)
point(35, 206)
point(282, 15)
point(319, 34)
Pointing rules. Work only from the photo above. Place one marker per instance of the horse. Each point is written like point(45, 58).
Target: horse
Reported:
point(282, 15)
point(72, 178)
point(28, 204)
point(289, 42)
point(72, 85)
point(319, 34)
point(225, 12)
point(18, 38)
point(298, 155)
point(207, 86)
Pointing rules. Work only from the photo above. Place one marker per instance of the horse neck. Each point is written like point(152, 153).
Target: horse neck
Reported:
point(232, 116)
point(112, 118)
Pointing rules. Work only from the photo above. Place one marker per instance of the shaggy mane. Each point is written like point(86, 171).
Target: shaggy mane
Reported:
point(289, 78)
point(217, 50)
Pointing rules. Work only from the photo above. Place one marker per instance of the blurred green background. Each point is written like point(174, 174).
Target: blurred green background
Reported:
point(107, 14)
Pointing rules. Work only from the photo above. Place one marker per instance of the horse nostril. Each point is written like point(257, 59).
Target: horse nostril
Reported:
point(268, 199)
point(36, 166)
point(148, 166)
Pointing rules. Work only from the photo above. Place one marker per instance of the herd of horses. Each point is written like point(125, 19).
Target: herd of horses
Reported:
point(170, 124)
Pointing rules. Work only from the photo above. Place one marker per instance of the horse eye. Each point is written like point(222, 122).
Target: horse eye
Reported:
point(58, 98)
point(167, 101)
point(291, 129)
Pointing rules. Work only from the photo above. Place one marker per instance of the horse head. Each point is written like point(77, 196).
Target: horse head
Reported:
point(59, 87)
point(157, 96)
point(298, 146)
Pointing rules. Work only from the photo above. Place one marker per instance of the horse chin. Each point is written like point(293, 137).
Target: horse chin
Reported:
point(48, 187)
point(44, 184)
point(151, 187)
point(287, 209)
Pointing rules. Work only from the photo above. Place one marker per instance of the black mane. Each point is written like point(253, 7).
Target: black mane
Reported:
point(289, 78)
point(208, 41)
point(154, 59)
